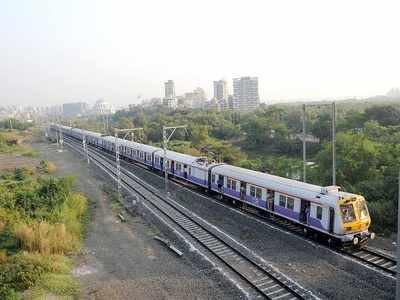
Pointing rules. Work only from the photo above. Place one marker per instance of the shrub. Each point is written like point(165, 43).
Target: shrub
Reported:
point(46, 167)
point(46, 238)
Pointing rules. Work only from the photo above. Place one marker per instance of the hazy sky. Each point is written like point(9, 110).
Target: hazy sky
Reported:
point(57, 51)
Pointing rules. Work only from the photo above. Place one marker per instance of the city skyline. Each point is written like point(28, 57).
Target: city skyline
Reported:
point(54, 52)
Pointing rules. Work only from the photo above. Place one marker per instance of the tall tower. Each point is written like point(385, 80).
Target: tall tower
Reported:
point(170, 100)
point(221, 90)
point(245, 93)
point(169, 89)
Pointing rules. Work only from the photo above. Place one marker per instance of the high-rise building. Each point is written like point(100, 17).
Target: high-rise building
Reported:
point(76, 109)
point(170, 100)
point(221, 90)
point(195, 99)
point(169, 89)
point(245, 93)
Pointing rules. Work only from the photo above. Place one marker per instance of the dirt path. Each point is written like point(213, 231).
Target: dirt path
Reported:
point(122, 260)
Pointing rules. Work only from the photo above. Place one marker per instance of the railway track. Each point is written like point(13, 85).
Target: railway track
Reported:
point(375, 259)
point(365, 255)
point(269, 283)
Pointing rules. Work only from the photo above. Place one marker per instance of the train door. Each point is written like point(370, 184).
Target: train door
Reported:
point(221, 183)
point(185, 171)
point(243, 186)
point(270, 200)
point(162, 163)
point(331, 219)
point(304, 211)
point(172, 167)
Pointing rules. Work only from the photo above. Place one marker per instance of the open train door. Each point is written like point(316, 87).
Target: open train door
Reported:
point(331, 219)
point(243, 190)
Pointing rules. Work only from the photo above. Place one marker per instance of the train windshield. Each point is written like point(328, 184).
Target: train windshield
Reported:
point(362, 209)
point(348, 214)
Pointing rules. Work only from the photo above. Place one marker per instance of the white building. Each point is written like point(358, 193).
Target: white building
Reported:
point(102, 107)
point(170, 100)
point(245, 93)
point(221, 90)
point(195, 99)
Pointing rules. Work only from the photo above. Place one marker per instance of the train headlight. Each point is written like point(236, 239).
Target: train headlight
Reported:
point(355, 241)
point(372, 235)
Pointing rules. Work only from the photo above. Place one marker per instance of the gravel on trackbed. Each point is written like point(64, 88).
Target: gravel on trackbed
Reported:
point(328, 274)
point(123, 260)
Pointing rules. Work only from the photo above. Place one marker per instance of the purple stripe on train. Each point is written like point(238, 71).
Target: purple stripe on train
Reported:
point(287, 212)
point(315, 223)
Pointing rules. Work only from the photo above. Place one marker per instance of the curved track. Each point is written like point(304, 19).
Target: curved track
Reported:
point(366, 255)
point(265, 280)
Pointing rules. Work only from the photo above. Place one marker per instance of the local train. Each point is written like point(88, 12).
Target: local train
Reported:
point(341, 217)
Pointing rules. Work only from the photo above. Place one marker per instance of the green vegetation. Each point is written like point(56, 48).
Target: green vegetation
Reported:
point(11, 142)
point(267, 140)
point(40, 223)
point(15, 124)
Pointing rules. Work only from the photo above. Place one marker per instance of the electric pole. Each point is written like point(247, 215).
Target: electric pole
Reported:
point(117, 160)
point(333, 143)
point(398, 242)
point(166, 139)
point(304, 144)
point(333, 104)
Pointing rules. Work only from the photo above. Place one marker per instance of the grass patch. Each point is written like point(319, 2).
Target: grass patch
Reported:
point(40, 224)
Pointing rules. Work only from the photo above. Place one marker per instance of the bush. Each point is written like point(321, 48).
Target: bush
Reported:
point(46, 167)
point(46, 238)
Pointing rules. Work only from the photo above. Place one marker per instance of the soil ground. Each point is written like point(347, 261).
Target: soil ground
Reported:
point(123, 260)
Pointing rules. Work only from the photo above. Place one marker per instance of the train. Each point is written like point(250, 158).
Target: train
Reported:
point(340, 217)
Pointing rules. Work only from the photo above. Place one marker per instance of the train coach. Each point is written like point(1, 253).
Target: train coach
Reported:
point(341, 217)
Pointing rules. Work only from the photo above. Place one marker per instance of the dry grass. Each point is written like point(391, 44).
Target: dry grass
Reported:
point(46, 238)
point(3, 257)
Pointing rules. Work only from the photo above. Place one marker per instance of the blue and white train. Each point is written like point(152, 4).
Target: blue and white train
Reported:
point(341, 217)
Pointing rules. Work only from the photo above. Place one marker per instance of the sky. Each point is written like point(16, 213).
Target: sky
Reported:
point(53, 52)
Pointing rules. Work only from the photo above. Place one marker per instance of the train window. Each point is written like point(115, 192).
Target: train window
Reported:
point(362, 209)
point(282, 201)
point(252, 191)
point(213, 178)
point(347, 211)
point(258, 193)
point(231, 184)
point(319, 212)
point(290, 203)
point(190, 171)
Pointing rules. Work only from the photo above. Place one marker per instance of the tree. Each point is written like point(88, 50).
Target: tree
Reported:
point(384, 114)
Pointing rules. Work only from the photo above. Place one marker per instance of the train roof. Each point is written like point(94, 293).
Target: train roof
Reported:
point(195, 161)
point(287, 186)
point(144, 147)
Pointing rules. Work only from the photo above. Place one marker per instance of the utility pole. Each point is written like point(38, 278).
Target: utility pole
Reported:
point(166, 139)
point(398, 243)
point(333, 140)
point(333, 143)
point(85, 147)
point(304, 144)
point(117, 160)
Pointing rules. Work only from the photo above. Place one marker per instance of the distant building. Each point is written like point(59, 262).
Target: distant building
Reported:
point(245, 93)
point(102, 107)
point(71, 110)
point(394, 93)
point(195, 99)
point(151, 102)
point(170, 100)
point(221, 90)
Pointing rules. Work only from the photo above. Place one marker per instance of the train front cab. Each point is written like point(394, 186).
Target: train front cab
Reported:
point(355, 221)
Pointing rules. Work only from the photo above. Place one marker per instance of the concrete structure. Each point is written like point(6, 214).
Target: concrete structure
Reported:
point(170, 100)
point(245, 93)
point(102, 107)
point(221, 90)
point(195, 99)
point(76, 109)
